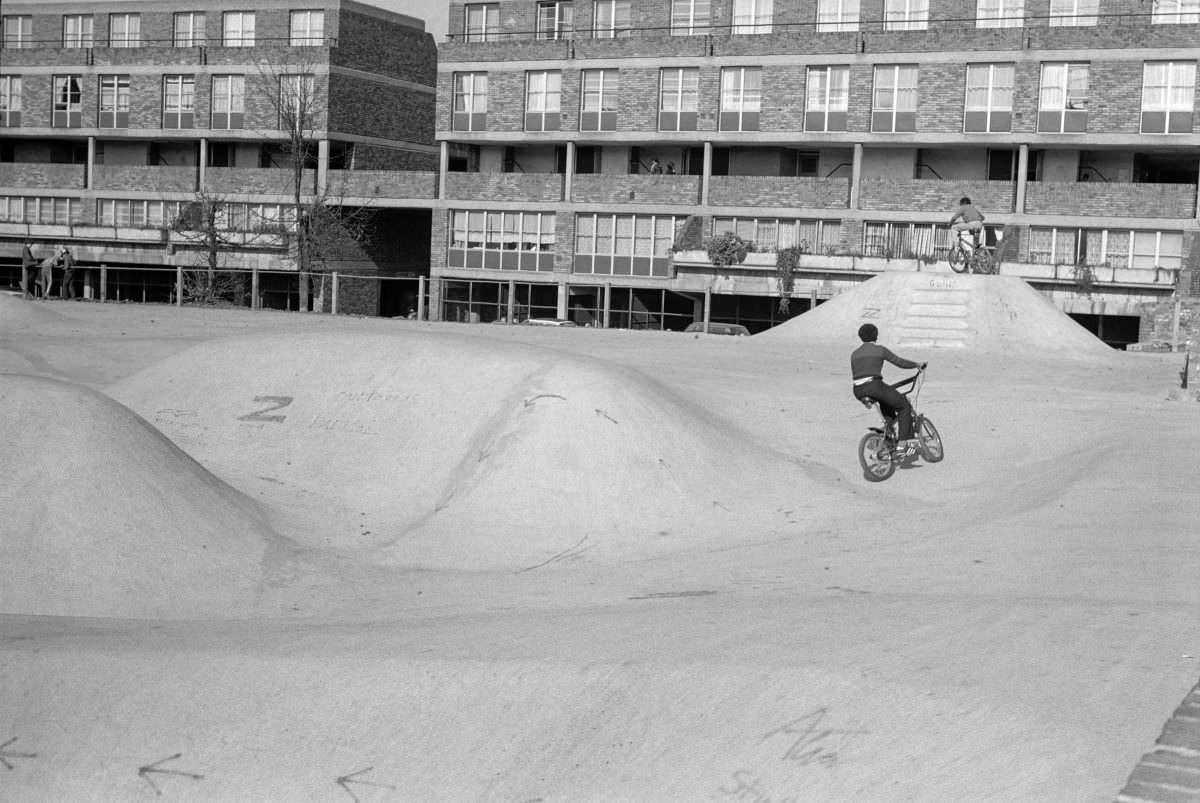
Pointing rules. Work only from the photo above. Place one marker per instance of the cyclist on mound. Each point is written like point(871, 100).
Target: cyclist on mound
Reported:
point(866, 366)
point(969, 218)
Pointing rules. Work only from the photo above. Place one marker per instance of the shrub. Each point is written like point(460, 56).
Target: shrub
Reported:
point(786, 261)
point(691, 235)
point(727, 249)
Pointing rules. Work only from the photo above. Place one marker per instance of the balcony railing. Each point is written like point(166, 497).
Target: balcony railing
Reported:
point(382, 184)
point(42, 175)
point(143, 177)
point(1110, 199)
point(931, 195)
point(775, 191)
point(590, 188)
point(258, 181)
point(535, 187)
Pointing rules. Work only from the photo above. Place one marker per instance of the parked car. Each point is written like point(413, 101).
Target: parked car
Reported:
point(719, 329)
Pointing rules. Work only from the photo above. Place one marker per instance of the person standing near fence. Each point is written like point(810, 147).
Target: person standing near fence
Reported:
point(67, 290)
point(29, 265)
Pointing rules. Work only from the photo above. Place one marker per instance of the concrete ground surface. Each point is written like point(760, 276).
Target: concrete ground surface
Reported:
point(269, 556)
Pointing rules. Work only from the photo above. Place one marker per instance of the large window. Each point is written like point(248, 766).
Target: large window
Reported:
point(837, 15)
point(47, 211)
point(68, 102)
point(179, 96)
point(228, 101)
point(906, 15)
point(125, 30)
point(297, 101)
point(237, 29)
point(555, 19)
point(1112, 248)
point(136, 213)
point(752, 16)
point(775, 234)
point(77, 30)
point(689, 17)
point(1000, 14)
point(895, 99)
point(307, 29)
point(678, 98)
point(470, 101)
point(481, 22)
point(502, 240)
point(624, 245)
point(18, 31)
point(114, 101)
point(543, 94)
point(599, 102)
point(1168, 93)
point(827, 98)
point(10, 101)
point(612, 19)
point(1074, 12)
point(892, 240)
point(188, 29)
point(1176, 12)
point(989, 98)
point(1063, 101)
point(741, 98)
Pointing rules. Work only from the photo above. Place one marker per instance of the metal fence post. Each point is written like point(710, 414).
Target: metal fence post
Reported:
point(334, 295)
point(179, 285)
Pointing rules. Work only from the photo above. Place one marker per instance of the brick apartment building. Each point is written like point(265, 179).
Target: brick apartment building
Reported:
point(115, 117)
point(849, 127)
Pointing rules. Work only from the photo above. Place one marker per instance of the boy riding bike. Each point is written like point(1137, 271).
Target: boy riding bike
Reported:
point(969, 218)
point(866, 367)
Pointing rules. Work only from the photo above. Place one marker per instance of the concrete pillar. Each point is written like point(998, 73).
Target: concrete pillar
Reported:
point(1022, 172)
point(178, 285)
point(200, 172)
point(443, 166)
point(604, 322)
point(511, 313)
point(333, 293)
point(254, 300)
point(322, 166)
point(569, 180)
point(436, 288)
point(704, 178)
point(1198, 196)
point(103, 283)
point(856, 175)
point(707, 307)
point(89, 179)
point(421, 289)
point(563, 297)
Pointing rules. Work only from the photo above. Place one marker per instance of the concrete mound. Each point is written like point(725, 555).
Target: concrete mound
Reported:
point(17, 313)
point(103, 516)
point(444, 450)
point(922, 310)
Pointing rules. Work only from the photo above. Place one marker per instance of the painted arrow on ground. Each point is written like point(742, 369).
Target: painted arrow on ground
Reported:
point(144, 772)
point(345, 780)
point(5, 756)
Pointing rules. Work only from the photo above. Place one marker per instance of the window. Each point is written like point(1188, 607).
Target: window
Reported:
point(1168, 90)
point(10, 101)
point(308, 29)
point(470, 101)
point(77, 30)
point(67, 102)
point(837, 15)
point(1157, 249)
point(228, 101)
point(179, 92)
point(1113, 248)
point(623, 245)
point(189, 29)
point(502, 240)
point(752, 16)
point(136, 213)
point(775, 234)
point(678, 98)
point(906, 15)
point(827, 99)
point(481, 22)
point(237, 29)
point(297, 93)
point(53, 211)
point(612, 19)
point(555, 20)
point(18, 31)
point(905, 240)
point(114, 101)
point(598, 106)
point(543, 91)
point(1000, 14)
point(1176, 12)
point(124, 30)
point(989, 98)
point(689, 17)
point(895, 99)
point(1063, 102)
point(1074, 12)
point(741, 98)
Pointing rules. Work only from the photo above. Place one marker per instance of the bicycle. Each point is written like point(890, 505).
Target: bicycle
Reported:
point(877, 452)
point(964, 257)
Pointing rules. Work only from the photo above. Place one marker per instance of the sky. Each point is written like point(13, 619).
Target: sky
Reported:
point(434, 12)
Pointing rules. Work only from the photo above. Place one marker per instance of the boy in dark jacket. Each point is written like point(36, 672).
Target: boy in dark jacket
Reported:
point(866, 367)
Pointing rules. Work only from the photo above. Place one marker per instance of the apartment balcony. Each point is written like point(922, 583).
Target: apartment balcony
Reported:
point(42, 175)
point(383, 184)
point(776, 191)
point(257, 181)
point(928, 195)
point(1110, 199)
point(652, 40)
point(594, 188)
point(525, 48)
point(505, 187)
point(144, 178)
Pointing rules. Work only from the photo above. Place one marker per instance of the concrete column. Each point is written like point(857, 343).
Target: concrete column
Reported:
point(436, 288)
point(1022, 172)
point(1198, 196)
point(203, 166)
point(856, 175)
point(563, 297)
point(607, 305)
point(103, 283)
point(421, 298)
point(254, 301)
point(707, 307)
point(322, 166)
point(333, 293)
point(178, 285)
point(569, 180)
point(511, 313)
point(708, 148)
point(89, 176)
point(443, 166)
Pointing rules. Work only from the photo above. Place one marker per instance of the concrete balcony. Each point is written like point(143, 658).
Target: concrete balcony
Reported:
point(144, 178)
point(42, 176)
point(773, 191)
point(532, 187)
point(926, 195)
point(525, 48)
point(257, 181)
point(382, 184)
point(1111, 199)
point(623, 188)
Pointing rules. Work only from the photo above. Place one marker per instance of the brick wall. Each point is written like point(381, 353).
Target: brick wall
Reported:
point(144, 178)
point(504, 186)
point(935, 196)
point(782, 98)
point(374, 157)
point(1115, 95)
point(372, 45)
point(564, 233)
point(382, 183)
point(779, 191)
point(1111, 198)
point(637, 189)
point(380, 110)
point(41, 176)
point(264, 180)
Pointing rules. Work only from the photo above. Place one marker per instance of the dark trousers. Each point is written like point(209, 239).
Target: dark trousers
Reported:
point(67, 288)
point(892, 402)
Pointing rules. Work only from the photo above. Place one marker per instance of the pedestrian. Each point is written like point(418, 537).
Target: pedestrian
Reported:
point(45, 278)
point(655, 167)
point(67, 260)
point(670, 168)
point(29, 266)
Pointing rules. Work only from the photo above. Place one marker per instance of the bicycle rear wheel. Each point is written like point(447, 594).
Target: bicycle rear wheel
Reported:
point(957, 259)
point(929, 441)
point(981, 261)
point(875, 456)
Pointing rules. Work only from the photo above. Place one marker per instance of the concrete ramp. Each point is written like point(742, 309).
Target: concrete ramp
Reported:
point(947, 311)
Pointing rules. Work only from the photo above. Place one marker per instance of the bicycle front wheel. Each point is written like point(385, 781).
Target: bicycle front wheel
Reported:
point(875, 456)
point(981, 261)
point(957, 259)
point(929, 441)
